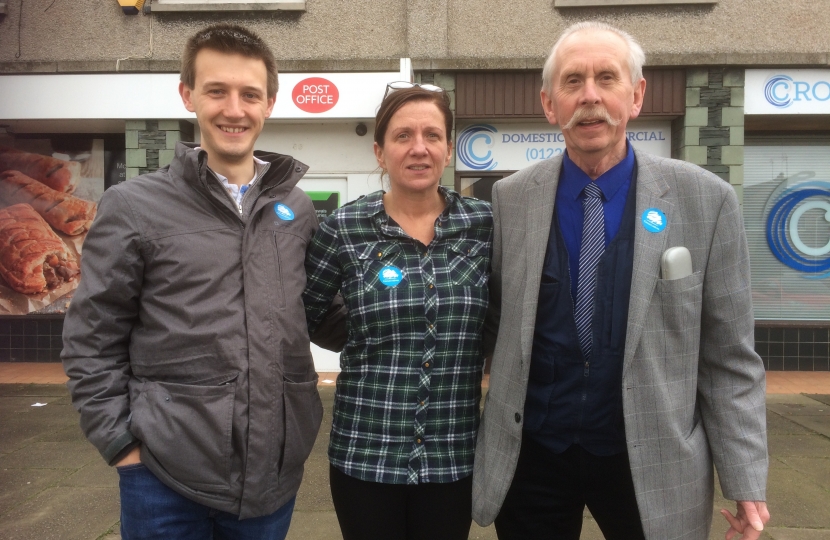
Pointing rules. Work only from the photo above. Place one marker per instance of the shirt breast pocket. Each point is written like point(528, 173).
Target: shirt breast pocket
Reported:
point(383, 267)
point(468, 263)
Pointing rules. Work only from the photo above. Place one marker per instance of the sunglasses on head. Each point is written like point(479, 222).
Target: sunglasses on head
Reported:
point(403, 85)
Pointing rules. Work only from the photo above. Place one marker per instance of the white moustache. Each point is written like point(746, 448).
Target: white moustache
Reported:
point(594, 112)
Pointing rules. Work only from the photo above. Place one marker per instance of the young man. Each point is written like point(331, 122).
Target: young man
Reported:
point(186, 344)
point(615, 384)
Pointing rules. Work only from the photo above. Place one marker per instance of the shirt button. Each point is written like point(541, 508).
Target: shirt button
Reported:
point(380, 254)
point(430, 327)
point(430, 285)
point(426, 364)
point(518, 417)
point(422, 403)
point(418, 441)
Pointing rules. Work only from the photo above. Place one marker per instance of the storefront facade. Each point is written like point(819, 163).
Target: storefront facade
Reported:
point(739, 87)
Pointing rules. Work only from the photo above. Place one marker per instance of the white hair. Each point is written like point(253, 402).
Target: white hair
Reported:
point(636, 56)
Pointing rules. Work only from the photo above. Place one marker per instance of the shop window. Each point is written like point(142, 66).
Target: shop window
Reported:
point(786, 212)
point(479, 186)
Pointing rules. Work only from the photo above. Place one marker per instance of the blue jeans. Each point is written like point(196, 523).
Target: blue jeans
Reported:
point(150, 509)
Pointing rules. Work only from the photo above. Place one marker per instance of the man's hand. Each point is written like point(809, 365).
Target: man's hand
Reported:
point(133, 457)
point(748, 521)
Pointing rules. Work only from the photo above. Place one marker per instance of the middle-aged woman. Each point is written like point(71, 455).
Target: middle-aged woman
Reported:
point(412, 265)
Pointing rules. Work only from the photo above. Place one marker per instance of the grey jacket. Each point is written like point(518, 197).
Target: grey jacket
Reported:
point(187, 333)
point(693, 386)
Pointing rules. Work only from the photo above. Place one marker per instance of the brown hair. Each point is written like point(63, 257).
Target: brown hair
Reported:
point(397, 99)
point(228, 39)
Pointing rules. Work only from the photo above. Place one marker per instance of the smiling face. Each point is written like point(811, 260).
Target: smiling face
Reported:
point(415, 148)
point(593, 97)
point(231, 104)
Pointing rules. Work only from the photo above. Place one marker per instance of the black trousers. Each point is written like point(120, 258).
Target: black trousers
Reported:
point(550, 491)
point(375, 511)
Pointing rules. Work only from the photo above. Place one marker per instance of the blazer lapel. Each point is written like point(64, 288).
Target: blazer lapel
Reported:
point(652, 192)
point(539, 198)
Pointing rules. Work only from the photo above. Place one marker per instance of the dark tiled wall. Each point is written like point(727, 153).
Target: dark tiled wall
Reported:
point(793, 349)
point(31, 339)
point(38, 339)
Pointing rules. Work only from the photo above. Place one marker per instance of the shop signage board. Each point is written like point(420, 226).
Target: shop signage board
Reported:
point(787, 91)
point(510, 147)
point(155, 95)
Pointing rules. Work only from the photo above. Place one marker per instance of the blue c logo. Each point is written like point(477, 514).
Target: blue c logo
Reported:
point(790, 249)
point(467, 140)
point(776, 90)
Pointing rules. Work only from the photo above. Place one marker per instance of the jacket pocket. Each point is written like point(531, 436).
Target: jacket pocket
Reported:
point(677, 312)
point(303, 415)
point(468, 263)
point(187, 428)
point(383, 266)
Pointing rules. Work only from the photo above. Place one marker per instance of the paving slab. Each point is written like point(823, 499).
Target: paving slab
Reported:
point(62, 513)
point(777, 533)
point(805, 411)
point(54, 484)
point(817, 469)
point(784, 425)
point(49, 455)
point(823, 398)
point(806, 445)
point(16, 390)
point(20, 485)
point(314, 526)
point(796, 501)
point(96, 473)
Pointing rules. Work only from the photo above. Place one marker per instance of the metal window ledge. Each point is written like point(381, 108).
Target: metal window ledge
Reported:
point(162, 6)
point(603, 3)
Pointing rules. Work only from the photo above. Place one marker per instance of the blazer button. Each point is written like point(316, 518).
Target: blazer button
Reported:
point(518, 417)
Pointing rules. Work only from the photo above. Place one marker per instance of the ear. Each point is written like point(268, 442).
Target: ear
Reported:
point(547, 105)
point(187, 96)
point(639, 94)
point(449, 154)
point(379, 156)
point(271, 101)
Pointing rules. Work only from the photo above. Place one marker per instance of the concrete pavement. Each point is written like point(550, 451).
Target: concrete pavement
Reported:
point(54, 485)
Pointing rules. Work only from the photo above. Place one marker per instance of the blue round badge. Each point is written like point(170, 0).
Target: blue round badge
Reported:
point(654, 220)
point(283, 212)
point(390, 276)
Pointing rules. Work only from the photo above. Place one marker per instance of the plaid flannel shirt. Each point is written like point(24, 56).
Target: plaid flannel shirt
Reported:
point(407, 398)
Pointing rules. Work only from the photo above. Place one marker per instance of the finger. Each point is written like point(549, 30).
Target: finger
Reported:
point(733, 521)
point(763, 511)
point(751, 534)
point(751, 513)
point(731, 533)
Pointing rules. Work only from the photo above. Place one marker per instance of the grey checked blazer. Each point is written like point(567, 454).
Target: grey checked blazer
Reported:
point(693, 387)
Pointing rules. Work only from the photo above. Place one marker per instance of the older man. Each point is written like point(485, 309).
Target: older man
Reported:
point(620, 375)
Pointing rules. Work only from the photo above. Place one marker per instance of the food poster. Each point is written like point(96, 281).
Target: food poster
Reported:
point(49, 189)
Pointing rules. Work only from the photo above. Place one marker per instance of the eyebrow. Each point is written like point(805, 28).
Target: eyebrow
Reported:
point(213, 84)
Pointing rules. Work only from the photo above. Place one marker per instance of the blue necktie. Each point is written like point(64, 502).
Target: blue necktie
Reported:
point(593, 246)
